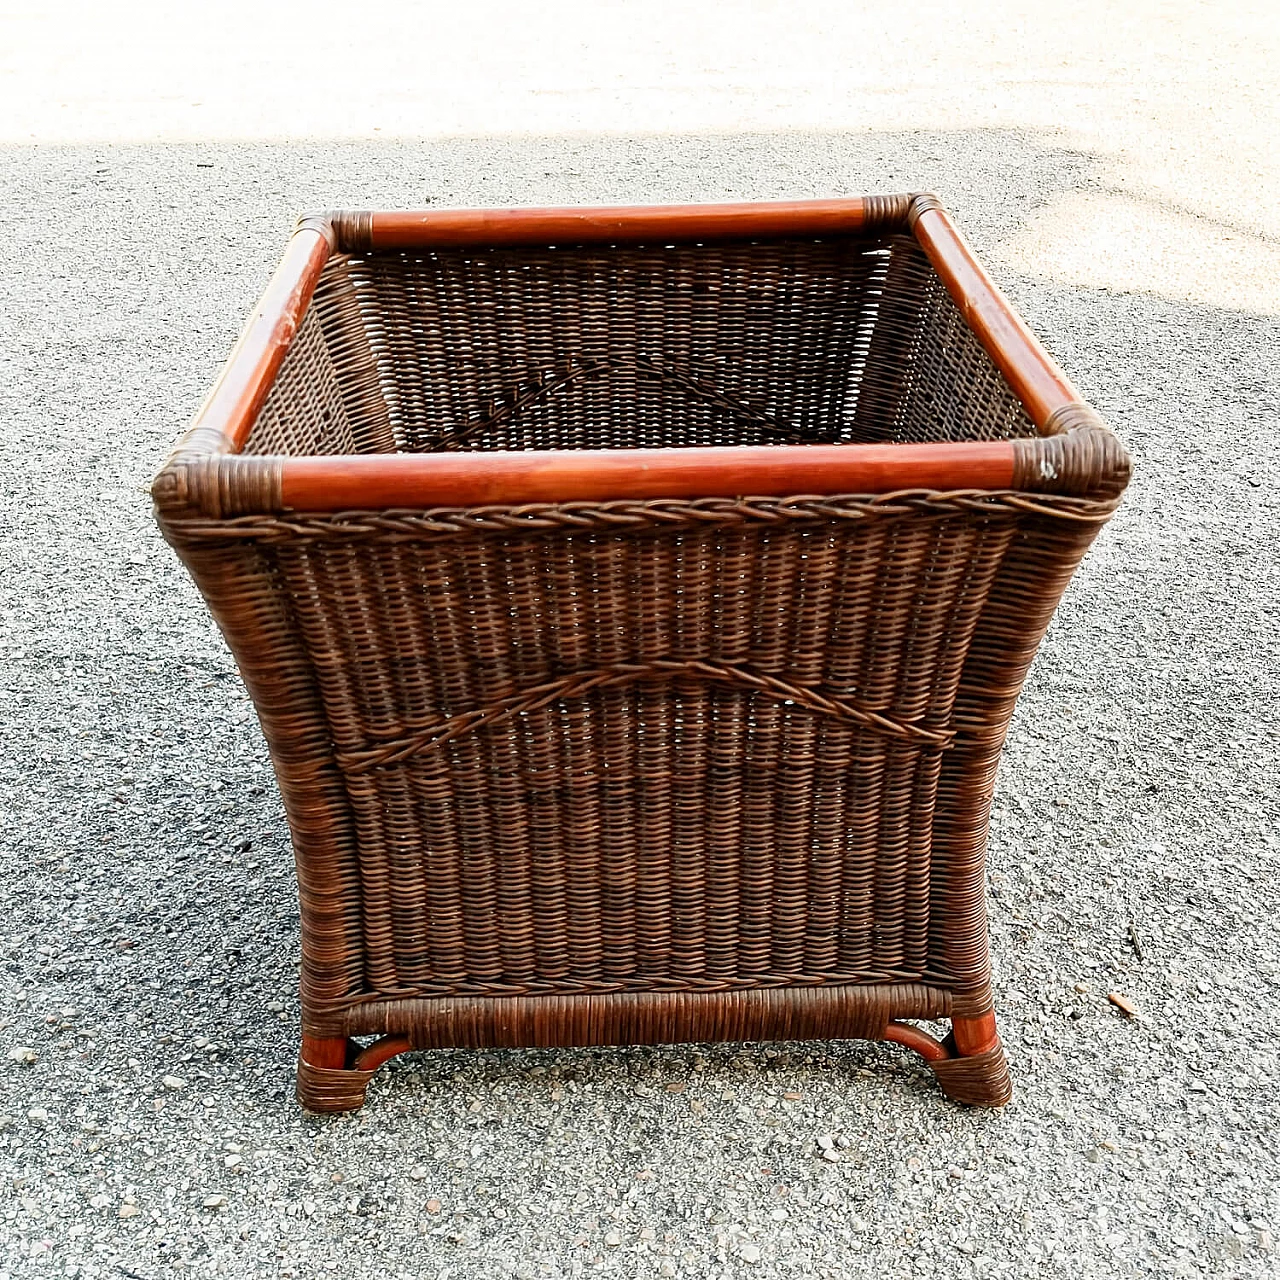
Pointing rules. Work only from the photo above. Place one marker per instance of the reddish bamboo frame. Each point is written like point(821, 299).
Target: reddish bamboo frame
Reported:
point(335, 483)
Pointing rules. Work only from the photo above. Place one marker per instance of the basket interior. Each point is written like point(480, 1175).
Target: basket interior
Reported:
point(841, 340)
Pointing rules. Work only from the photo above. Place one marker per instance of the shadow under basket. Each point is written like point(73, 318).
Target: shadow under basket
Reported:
point(634, 602)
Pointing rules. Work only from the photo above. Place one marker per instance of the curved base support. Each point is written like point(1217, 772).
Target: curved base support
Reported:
point(333, 1074)
point(970, 1064)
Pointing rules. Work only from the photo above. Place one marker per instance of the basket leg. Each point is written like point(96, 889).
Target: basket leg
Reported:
point(975, 1070)
point(329, 1078)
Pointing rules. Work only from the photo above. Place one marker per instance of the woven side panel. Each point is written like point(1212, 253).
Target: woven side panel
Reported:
point(327, 396)
point(305, 412)
point(1036, 569)
point(927, 375)
point(674, 829)
point(245, 598)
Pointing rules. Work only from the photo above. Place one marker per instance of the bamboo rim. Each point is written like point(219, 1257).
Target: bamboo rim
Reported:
point(341, 482)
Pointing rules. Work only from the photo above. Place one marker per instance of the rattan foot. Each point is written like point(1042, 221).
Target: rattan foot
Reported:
point(328, 1079)
point(334, 1073)
point(979, 1080)
point(975, 1071)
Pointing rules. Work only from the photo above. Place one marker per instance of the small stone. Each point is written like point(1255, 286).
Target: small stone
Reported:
point(1093, 1155)
point(613, 1239)
point(648, 1233)
point(1082, 988)
point(749, 1251)
point(173, 1083)
point(309, 1208)
point(233, 1162)
point(779, 1214)
point(38, 1115)
point(1123, 1003)
point(666, 1267)
point(129, 1211)
point(100, 1201)
point(826, 1142)
point(697, 1107)
point(24, 1054)
point(433, 1206)
point(831, 1155)
point(418, 1173)
point(792, 1097)
point(215, 1202)
point(676, 1086)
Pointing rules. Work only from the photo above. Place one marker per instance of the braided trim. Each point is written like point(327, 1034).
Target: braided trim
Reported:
point(627, 514)
point(436, 734)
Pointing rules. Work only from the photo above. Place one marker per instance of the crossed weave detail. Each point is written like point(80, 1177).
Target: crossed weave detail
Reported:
point(503, 409)
point(436, 734)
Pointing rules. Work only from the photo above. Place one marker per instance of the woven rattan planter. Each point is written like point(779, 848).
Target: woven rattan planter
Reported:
point(634, 601)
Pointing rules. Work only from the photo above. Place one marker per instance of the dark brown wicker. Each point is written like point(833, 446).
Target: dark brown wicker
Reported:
point(638, 769)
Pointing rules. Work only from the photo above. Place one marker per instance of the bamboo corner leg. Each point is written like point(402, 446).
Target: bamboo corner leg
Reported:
point(333, 1073)
point(974, 1071)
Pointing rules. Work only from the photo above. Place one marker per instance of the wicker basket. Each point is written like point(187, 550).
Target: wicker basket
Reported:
point(634, 601)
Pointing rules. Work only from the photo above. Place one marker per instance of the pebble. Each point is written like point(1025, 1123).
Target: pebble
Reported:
point(419, 1172)
point(233, 1162)
point(433, 1206)
point(613, 1239)
point(831, 1154)
point(1123, 1003)
point(129, 1211)
point(173, 1083)
point(826, 1142)
point(38, 1115)
point(24, 1054)
point(749, 1251)
point(214, 1202)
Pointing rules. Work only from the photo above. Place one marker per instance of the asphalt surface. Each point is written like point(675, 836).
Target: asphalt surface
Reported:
point(148, 926)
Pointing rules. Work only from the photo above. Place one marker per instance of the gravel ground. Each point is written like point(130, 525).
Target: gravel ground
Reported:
point(147, 951)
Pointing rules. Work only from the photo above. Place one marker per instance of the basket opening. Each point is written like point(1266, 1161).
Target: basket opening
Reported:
point(839, 340)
